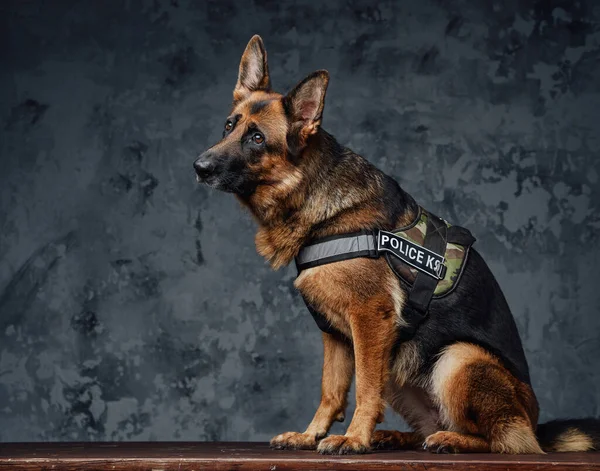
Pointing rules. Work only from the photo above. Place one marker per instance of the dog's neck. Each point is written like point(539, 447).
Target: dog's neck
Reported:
point(331, 191)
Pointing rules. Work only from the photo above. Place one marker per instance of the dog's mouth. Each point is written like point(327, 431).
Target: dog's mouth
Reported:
point(218, 183)
point(210, 179)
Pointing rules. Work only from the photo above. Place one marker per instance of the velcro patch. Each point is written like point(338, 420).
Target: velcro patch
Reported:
point(416, 256)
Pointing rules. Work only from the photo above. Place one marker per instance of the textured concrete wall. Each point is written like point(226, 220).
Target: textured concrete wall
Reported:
point(132, 302)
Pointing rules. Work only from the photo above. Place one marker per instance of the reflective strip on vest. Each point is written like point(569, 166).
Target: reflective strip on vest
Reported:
point(342, 248)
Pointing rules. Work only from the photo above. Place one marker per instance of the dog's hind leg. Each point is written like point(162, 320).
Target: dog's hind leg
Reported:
point(482, 406)
point(338, 368)
point(417, 410)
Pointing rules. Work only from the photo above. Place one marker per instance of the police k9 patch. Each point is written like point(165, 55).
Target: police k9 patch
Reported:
point(416, 256)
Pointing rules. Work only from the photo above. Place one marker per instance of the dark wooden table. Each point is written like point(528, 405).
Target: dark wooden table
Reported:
point(154, 456)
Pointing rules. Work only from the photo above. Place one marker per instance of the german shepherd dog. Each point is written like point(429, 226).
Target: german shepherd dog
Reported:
point(462, 382)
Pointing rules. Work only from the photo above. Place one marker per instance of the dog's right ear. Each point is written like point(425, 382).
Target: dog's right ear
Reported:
point(304, 108)
point(254, 71)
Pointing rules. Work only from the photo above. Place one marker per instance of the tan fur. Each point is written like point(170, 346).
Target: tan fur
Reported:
point(368, 320)
point(398, 298)
point(372, 343)
point(349, 292)
point(406, 365)
point(453, 442)
point(572, 440)
point(504, 417)
point(415, 406)
point(515, 436)
point(338, 369)
point(269, 117)
point(444, 378)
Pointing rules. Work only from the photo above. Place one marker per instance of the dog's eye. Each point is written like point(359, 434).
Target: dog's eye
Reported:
point(258, 138)
point(228, 126)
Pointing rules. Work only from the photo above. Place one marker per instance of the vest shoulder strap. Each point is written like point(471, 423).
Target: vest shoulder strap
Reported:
point(421, 292)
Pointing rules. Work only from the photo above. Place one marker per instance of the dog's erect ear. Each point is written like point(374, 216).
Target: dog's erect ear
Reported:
point(304, 104)
point(254, 72)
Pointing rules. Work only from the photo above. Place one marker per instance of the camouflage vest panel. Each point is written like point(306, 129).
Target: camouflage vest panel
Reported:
point(456, 256)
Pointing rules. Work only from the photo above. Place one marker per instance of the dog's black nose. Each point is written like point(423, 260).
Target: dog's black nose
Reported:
point(204, 168)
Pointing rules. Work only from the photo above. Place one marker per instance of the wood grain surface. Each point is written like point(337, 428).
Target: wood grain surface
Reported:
point(166, 456)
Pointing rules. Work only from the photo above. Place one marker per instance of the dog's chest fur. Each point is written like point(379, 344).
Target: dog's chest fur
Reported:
point(345, 291)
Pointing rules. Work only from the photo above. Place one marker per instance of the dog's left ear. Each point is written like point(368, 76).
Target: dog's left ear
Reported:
point(304, 104)
point(254, 71)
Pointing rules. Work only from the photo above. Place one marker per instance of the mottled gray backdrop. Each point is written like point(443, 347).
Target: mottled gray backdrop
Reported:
point(133, 305)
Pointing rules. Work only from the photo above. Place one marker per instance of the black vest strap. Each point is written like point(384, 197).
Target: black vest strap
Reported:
point(422, 290)
point(323, 324)
point(320, 319)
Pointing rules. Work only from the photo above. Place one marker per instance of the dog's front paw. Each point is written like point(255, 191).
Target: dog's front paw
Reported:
point(294, 441)
point(342, 445)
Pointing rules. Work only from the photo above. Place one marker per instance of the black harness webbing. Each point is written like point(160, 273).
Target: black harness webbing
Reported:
point(419, 297)
point(369, 244)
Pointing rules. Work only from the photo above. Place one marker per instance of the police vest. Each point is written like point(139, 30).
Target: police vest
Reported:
point(428, 256)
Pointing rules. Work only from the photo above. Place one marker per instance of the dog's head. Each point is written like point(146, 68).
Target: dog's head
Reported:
point(265, 133)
